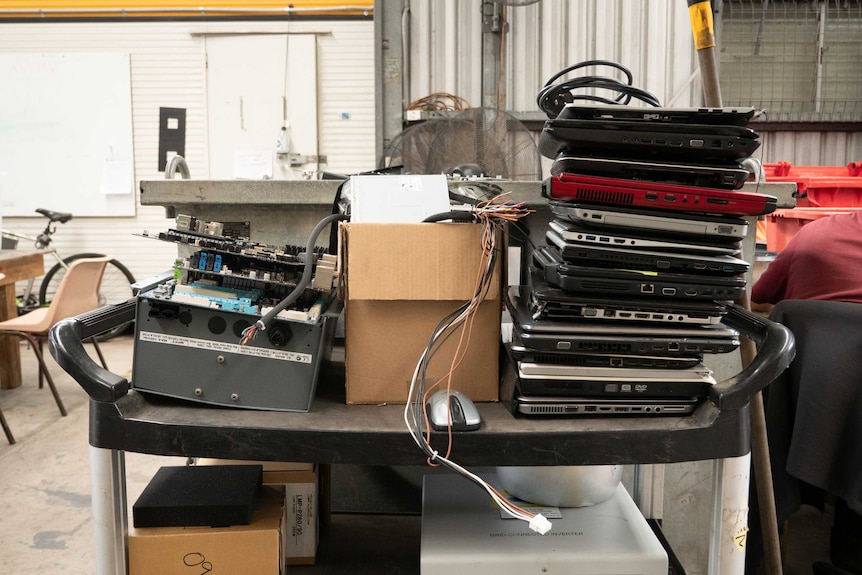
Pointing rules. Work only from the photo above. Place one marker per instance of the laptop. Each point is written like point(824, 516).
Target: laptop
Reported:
point(621, 257)
point(553, 304)
point(652, 195)
point(635, 240)
point(597, 407)
point(687, 383)
point(623, 282)
point(522, 353)
point(598, 338)
point(680, 224)
point(613, 112)
point(730, 177)
point(696, 143)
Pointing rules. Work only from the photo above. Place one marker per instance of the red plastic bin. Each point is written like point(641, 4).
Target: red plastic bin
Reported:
point(820, 186)
point(781, 225)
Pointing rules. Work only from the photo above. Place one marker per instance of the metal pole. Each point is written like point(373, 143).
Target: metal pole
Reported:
point(700, 15)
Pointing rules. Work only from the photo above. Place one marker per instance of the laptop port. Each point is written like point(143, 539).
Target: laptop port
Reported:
point(589, 408)
point(647, 288)
point(691, 292)
point(604, 408)
point(609, 313)
point(651, 196)
point(641, 316)
point(673, 347)
point(668, 291)
point(675, 408)
point(625, 314)
point(619, 241)
point(605, 239)
point(621, 408)
point(571, 408)
point(669, 198)
point(691, 348)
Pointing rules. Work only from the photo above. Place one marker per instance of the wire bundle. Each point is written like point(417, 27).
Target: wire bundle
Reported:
point(439, 102)
point(492, 214)
point(553, 97)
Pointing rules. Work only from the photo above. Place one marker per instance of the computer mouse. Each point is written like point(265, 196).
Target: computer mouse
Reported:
point(461, 411)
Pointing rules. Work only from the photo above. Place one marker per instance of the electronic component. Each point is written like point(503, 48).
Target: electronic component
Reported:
point(192, 328)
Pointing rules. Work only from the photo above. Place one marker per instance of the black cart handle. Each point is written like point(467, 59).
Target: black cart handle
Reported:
point(775, 351)
point(65, 341)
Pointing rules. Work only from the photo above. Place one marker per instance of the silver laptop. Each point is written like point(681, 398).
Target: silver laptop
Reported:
point(728, 227)
point(462, 532)
point(699, 373)
point(535, 380)
point(622, 257)
point(572, 232)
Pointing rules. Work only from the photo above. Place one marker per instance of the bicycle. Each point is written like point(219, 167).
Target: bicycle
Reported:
point(116, 284)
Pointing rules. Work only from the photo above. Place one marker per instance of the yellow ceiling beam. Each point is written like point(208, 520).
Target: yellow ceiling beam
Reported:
point(178, 8)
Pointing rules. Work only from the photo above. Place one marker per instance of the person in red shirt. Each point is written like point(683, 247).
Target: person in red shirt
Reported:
point(823, 261)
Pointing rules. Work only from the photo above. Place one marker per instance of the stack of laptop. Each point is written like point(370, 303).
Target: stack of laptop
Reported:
point(643, 256)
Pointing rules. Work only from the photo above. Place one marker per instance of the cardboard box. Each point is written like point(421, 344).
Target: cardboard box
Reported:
point(399, 281)
point(253, 548)
point(300, 534)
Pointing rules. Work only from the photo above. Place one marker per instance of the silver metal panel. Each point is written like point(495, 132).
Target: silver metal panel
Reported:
point(652, 38)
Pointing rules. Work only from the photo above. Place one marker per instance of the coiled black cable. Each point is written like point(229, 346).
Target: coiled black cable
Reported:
point(553, 97)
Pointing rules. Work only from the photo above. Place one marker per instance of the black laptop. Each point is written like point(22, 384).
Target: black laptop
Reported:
point(553, 304)
point(697, 143)
point(727, 116)
point(730, 177)
point(615, 282)
point(597, 338)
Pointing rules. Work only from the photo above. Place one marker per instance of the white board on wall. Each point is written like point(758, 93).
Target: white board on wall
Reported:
point(66, 134)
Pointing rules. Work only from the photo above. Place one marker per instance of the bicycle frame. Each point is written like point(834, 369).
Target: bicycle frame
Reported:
point(42, 242)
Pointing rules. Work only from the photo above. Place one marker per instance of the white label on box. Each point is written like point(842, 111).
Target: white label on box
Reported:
point(208, 344)
point(300, 534)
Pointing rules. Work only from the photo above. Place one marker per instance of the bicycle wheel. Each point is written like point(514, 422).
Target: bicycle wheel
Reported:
point(116, 287)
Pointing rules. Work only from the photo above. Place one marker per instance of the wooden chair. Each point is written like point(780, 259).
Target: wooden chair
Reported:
point(78, 293)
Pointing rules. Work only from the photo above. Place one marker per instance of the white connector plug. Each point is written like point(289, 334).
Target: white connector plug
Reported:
point(540, 524)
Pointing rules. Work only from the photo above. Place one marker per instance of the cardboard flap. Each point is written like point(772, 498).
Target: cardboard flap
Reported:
point(426, 261)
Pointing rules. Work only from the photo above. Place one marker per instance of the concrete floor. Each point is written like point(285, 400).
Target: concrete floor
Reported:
point(45, 518)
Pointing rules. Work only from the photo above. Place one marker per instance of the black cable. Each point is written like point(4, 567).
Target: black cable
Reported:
point(263, 322)
point(454, 215)
point(553, 97)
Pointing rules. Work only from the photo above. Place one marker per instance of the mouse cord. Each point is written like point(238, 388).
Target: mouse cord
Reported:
point(492, 216)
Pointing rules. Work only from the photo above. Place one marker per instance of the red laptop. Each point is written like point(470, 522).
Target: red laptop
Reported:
point(656, 195)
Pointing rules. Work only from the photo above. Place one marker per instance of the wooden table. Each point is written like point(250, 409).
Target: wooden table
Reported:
point(16, 265)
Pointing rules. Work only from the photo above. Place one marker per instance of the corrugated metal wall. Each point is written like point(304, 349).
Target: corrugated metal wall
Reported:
point(168, 64)
point(652, 38)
